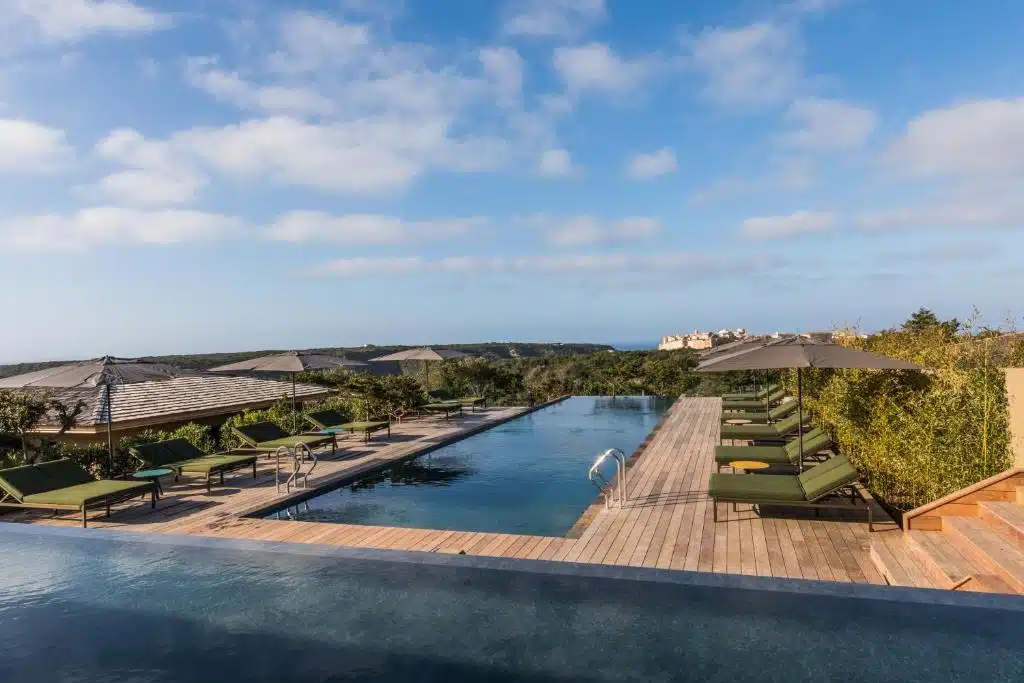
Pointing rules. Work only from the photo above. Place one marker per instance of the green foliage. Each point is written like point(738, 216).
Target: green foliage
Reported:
point(20, 412)
point(924, 319)
point(279, 414)
point(920, 436)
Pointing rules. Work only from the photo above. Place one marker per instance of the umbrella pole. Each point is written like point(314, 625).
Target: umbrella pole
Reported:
point(800, 415)
point(294, 416)
point(110, 433)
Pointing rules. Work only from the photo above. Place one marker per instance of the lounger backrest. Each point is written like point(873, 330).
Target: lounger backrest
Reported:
point(153, 454)
point(326, 418)
point(783, 409)
point(814, 441)
point(440, 395)
point(830, 475)
point(777, 395)
point(24, 481)
point(761, 393)
point(182, 450)
point(790, 422)
point(258, 432)
point(64, 473)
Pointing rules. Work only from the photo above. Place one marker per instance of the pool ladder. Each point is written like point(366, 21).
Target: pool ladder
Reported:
point(603, 485)
point(298, 454)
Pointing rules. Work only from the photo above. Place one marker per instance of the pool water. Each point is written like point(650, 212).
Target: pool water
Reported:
point(94, 606)
point(527, 476)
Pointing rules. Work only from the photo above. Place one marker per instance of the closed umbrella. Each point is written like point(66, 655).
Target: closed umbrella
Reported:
point(291, 362)
point(106, 372)
point(799, 353)
point(425, 354)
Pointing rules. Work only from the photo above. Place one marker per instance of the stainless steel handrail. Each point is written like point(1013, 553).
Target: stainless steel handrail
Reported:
point(309, 455)
point(602, 484)
point(277, 466)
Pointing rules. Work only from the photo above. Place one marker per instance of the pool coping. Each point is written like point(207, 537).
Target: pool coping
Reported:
point(590, 514)
point(929, 596)
point(263, 510)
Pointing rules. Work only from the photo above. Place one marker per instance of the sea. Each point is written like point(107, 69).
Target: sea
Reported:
point(634, 346)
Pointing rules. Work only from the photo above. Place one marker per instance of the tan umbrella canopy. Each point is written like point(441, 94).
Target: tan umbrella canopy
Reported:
point(291, 362)
point(802, 352)
point(105, 372)
point(426, 354)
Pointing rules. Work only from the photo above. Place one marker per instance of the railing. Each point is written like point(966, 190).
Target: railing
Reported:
point(603, 485)
point(298, 453)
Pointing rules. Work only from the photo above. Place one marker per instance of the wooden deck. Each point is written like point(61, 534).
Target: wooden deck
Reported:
point(667, 522)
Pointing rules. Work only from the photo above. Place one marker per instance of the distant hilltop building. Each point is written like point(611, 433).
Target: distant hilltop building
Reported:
point(700, 341)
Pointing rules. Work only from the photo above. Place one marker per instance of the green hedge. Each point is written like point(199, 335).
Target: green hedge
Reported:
point(919, 436)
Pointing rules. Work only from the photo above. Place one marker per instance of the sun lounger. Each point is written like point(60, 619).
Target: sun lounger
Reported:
point(828, 485)
point(182, 457)
point(267, 437)
point(472, 402)
point(783, 410)
point(449, 408)
point(754, 403)
point(750, 395)
point(815, 441)
point(332, 421)
point(769, 432)
point(64, 485)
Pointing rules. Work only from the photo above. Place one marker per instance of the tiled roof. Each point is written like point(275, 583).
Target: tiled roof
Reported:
point(178, 399)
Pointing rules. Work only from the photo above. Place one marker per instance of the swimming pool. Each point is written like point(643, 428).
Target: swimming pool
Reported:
point(94, 605)
point(527, 476)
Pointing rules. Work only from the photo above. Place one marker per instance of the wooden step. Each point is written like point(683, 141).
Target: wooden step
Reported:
point(897, 562)
point(940, 558)
point(1007, 518)
point(994, 552)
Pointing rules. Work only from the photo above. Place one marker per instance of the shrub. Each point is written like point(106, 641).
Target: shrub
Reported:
point(920, 436)
point(281, 417)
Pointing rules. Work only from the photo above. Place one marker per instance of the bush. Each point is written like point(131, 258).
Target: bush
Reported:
point(277, 414)
point(920, 436)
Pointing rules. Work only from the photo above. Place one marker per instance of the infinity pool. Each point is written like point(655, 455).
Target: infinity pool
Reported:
point(527, 476)
point(88, 606)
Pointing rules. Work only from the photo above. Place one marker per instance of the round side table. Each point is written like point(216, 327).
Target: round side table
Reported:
point(154, 475)
point(747, 465)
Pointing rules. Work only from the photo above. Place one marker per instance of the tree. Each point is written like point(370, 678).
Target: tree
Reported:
point(924, 319)
point(20, 411)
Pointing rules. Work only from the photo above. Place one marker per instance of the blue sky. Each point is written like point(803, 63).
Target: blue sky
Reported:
point(195, 176)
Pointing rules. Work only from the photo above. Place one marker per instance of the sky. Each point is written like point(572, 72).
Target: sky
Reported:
point(184, 176)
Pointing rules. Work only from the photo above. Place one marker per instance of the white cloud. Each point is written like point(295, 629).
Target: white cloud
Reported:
point(362, 266)
point(780, 227)
point(965, 213)
point(756, 65)
point(595, 67)
point(308, 226)
point(980, 137)
point(70, 20)
point(107, 225)
point(691, 265)
point(230, 87)
point(29, 147)
point(827, 125)
point(552, 18)
point(158, 172)
point(504, 69)
point(653, 165)
point(555, 163)
point(588, 230)
point(310, 42)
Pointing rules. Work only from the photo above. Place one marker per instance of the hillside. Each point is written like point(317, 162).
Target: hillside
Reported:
point(203, 361)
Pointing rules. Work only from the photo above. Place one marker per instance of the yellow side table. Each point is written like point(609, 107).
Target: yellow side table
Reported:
point(748, 465)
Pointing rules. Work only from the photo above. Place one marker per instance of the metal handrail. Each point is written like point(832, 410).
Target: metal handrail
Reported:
point(602, 484)
point(277, 466)
point(309, 455)
point(298, 453)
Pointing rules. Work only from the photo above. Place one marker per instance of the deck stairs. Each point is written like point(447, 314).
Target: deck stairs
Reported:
point(969, 540)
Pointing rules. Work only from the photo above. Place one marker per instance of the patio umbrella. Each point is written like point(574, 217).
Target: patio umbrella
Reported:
point(799, 353)
point(291, 362)
point(106, 372)
point(425, 354)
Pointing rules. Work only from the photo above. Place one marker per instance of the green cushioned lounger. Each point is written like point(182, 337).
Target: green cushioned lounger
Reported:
point(63, 485)
point(333, 420)
point(182, 457)
point(828, 485)
point(750, 395)
point(777, 413)
point(754, 404)
point(768, 432)
point(267, 437)
point(815, 441)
